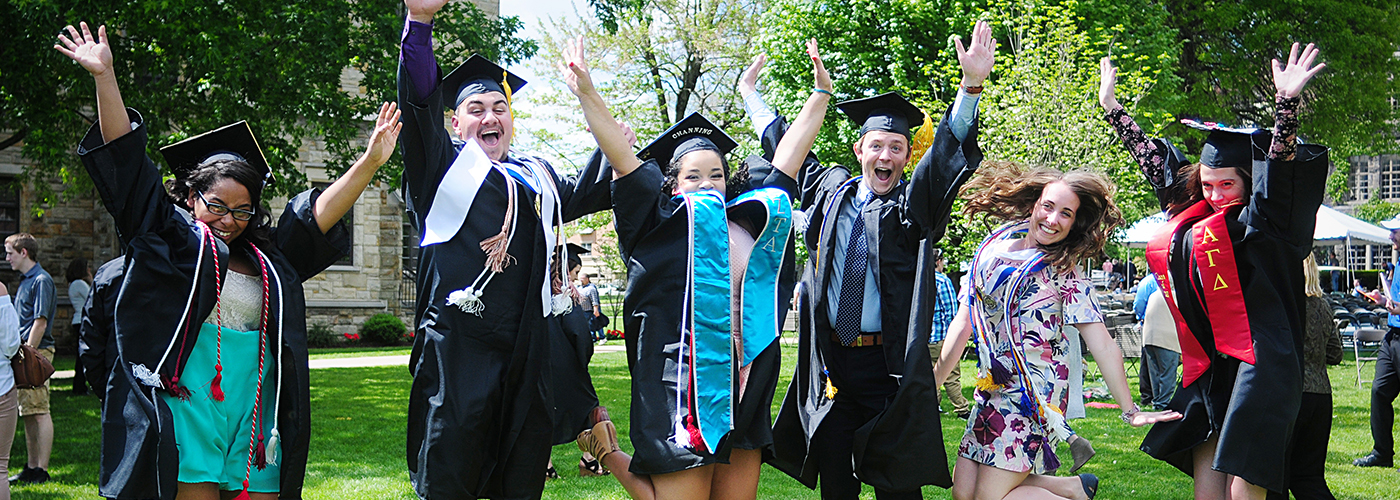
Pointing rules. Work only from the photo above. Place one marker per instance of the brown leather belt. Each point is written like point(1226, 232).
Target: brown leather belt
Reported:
point(861, 341)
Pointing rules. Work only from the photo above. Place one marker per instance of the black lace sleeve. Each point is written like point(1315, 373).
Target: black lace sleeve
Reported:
point(1151, 158)
point(1285, 143)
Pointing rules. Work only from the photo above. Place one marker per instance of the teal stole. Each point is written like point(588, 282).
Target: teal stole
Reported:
point(705, 370)
point(762, 313)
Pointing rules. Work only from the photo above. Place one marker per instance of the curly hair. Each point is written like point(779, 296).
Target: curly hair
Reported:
point(200, 178)
point(1189, 191)
point(734, 182)
point(1009, 191)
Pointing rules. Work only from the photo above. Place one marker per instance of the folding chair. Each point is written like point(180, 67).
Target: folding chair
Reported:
point(1373, 337)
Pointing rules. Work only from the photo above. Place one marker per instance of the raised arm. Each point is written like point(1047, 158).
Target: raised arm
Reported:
point(95, 55)
point(1289, 80)
point(341, 195)
point(608, 132)
point(1150, 156)
point(1110, 362)
point(793, 148)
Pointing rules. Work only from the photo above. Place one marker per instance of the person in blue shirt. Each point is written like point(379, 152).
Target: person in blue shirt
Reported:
point(1386, 385)
point(944, 308)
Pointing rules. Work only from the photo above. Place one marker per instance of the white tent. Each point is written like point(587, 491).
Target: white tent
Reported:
point(1333, 228)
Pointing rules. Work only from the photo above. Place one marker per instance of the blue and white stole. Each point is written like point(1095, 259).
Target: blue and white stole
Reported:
point(758, 296)
point(704, 407)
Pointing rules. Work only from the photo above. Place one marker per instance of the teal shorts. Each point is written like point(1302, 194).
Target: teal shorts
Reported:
point(213, 436)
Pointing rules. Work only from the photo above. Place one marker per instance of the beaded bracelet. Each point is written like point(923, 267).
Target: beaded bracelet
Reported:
point(1127, 415)
point(823, 91)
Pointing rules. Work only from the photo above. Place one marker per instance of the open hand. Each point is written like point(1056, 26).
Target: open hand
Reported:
point(627, 133)
point(1108, 76)
point(423, 10)
point(1291, 78)
point(821, 78)
point(1151, 417)
point(575, 69)
point(748, 82)
point(95, 55)
point(385, 135)
point(976, 59)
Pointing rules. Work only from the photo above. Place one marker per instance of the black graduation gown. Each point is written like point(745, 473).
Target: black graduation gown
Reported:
point(654, 241)
point(478, 417)
point(1251, 408)
point(571, 387)
point(97, 348)
point(902, 448)
point(139, 458)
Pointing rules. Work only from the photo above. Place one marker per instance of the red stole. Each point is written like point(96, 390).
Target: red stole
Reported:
point(1214, 269)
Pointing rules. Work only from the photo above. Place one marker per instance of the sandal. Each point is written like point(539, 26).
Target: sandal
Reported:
point(1090, 483)
point(1081, 450)
point(591, 468)
point(550, 473)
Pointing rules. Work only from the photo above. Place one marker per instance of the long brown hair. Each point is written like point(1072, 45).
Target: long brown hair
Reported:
point(1190, 192)
point(1009, 191)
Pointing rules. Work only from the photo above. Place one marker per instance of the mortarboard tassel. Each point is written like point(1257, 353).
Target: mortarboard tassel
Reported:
point(922, 140)
point(216, 388)
point(505, 84)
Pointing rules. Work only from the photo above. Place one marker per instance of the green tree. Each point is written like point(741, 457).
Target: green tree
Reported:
point(192, 65)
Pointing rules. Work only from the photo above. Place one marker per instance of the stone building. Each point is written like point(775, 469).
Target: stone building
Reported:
point(1371, 177)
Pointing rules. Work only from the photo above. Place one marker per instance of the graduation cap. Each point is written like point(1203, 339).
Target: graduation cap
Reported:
point(479, 75)
point(1231, 147)
point(230, 142)
point(694, 133)
point(575, 251)
point(889, 112)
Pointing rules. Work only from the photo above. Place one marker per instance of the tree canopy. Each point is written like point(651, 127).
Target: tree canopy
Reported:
point(290, 68)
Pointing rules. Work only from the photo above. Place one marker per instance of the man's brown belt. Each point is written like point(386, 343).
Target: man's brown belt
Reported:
point(861, 341)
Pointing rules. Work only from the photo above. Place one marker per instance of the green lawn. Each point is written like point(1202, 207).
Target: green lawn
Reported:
point(358, 443)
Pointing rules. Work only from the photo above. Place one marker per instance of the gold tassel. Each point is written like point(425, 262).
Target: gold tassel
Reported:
point(923, 139)
point(505, 84)
point(985, 383)
point(830, 389)
point(495, 247)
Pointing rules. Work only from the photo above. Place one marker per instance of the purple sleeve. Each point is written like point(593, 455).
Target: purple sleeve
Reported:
point(416, 55)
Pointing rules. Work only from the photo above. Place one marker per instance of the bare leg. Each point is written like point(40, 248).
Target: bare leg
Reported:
point(964, 479)
point(689, 484)
point(997, 484)
point(1210, 483)
point(738, 479)
point(1242, 490)
point(638, 486)
point(229, 495)
point(38, 439)
point(197, 491)
point(1068, 486)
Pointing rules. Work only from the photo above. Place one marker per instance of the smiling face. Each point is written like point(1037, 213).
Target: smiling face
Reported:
point(1221, 187)
point(226, 192)
point(486, 118)
point(1054, 214)
point(882, 157)
point(699, 170)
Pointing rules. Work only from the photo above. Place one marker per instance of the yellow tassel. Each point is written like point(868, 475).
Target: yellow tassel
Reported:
point(923, 139)
point(830, 390)
point(505, 84)
point(984, 383)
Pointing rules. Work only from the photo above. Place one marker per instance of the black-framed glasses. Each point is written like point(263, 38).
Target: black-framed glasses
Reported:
point(222, 210)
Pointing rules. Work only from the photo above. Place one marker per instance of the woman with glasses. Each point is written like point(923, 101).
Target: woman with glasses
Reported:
point(208, 394)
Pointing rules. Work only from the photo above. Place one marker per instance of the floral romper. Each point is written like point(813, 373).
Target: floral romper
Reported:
point(1004, 431)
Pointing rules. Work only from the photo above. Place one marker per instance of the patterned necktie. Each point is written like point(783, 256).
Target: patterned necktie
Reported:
point(848, 306)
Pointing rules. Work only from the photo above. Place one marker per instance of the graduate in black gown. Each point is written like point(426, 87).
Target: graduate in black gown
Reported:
point(96, 349)
point(209, 325)
point(1241, 220)
point(705, 250)
point(571, 389)
point(862, 405)
point(490, 274)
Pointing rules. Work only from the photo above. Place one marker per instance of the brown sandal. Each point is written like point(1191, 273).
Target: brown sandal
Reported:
point(601, 439)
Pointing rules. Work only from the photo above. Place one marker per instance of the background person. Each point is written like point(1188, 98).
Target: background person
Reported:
point(944, 309)
point(9, 395)
point(1161, 350)
point(79, 276)
point(1386, 384)
point(1322, 346)
point(34, 301)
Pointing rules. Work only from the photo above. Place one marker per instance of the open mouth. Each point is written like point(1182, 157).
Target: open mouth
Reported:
point(1049, 231)
point(223, 235)
point(883, 174)
point(491, 138)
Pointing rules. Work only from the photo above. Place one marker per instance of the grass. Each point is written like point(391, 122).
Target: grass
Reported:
point(357, 446)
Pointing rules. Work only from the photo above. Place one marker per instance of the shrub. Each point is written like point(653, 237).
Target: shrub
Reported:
point(383, 329)
point(320, 335)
